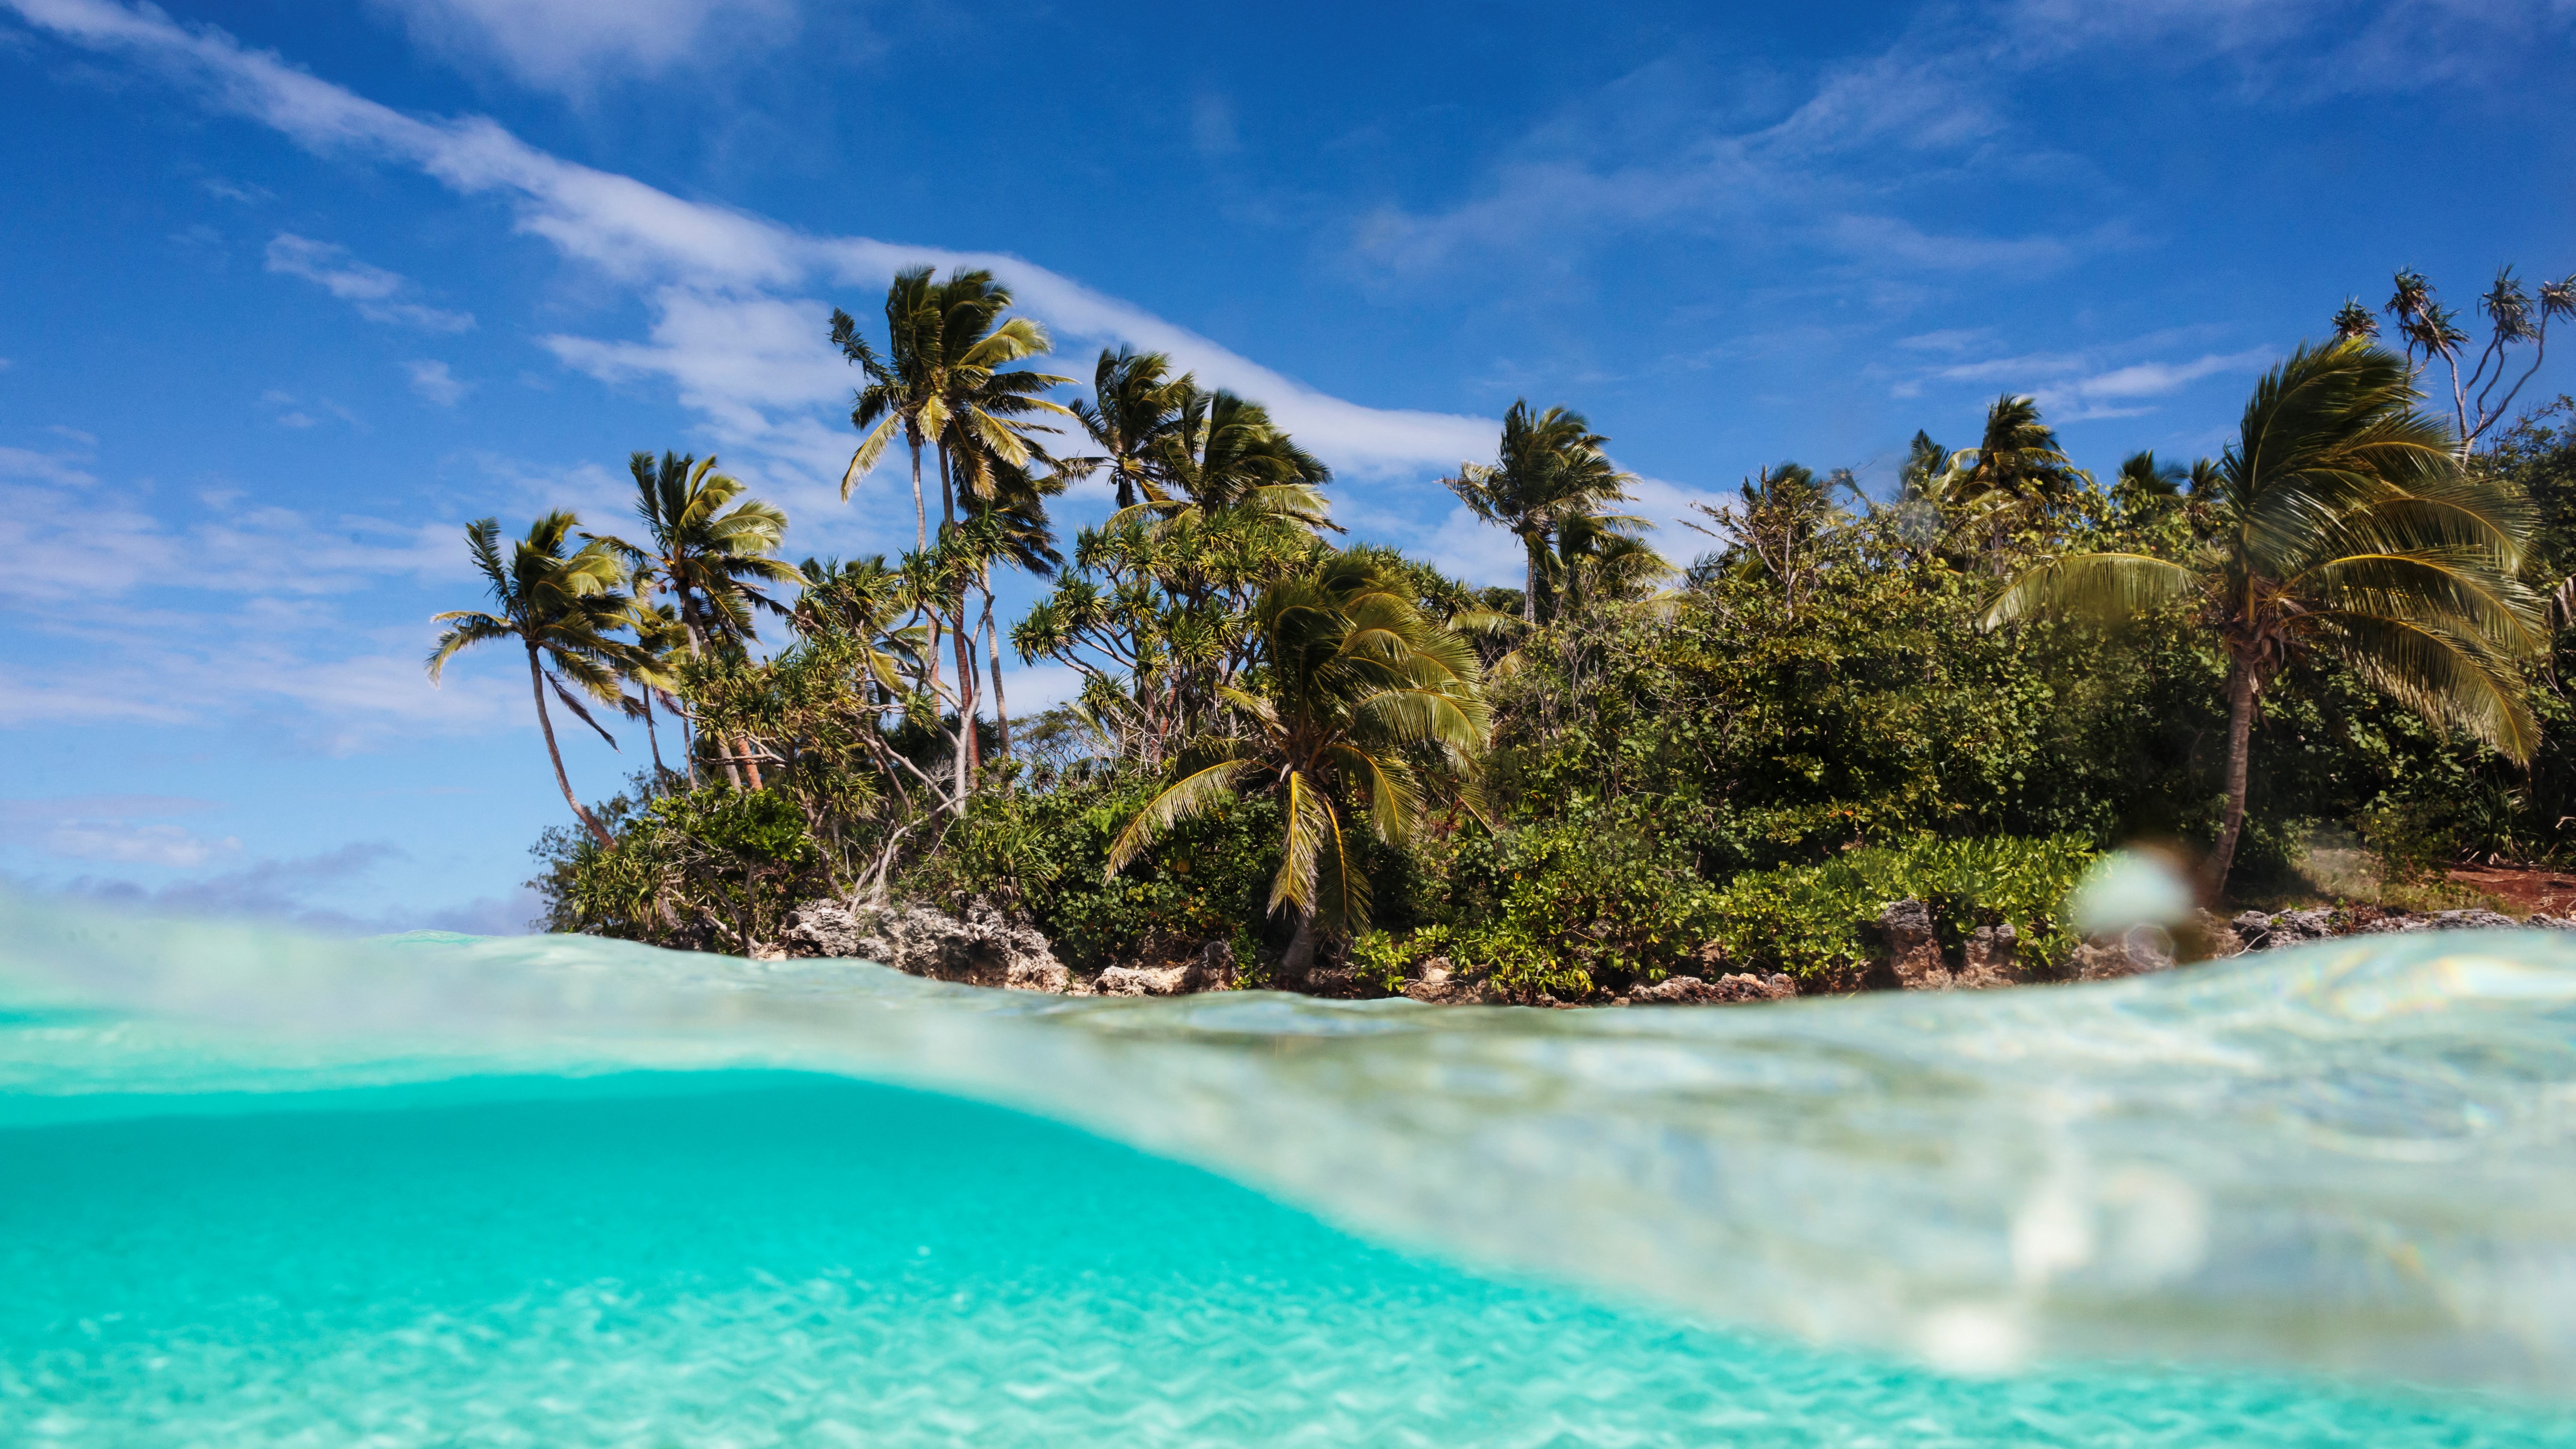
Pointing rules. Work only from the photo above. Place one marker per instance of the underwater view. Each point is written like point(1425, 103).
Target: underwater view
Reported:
point(256, 1188)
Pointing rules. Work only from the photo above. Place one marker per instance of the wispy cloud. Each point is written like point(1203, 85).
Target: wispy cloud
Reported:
point(374, 291)
point(2092, 383)
point(432, 380)
point(569, 45)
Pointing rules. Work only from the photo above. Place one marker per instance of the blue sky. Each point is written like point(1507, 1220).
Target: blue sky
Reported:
point(291, 296)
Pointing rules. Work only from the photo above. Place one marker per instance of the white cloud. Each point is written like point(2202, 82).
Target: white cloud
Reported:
point(61, 468)
point(691, 258)
point(432, 380)
point(2117, 392)
point(371, 289)
point(162, 845)
point(2086, 383)
point(569, 44)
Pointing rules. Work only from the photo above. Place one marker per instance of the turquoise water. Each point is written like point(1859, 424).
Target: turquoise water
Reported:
point(256, 1190)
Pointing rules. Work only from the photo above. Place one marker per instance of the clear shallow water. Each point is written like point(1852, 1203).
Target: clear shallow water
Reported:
point(260, 1190)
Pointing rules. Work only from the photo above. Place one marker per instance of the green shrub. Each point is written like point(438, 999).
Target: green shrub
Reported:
point(1810, 921)
point(1046, 854)
point(1594, 897)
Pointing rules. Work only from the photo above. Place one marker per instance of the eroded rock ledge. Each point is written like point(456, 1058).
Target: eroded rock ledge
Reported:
point(990, 947)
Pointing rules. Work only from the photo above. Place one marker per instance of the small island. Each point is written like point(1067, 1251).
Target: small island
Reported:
point(1857, 742)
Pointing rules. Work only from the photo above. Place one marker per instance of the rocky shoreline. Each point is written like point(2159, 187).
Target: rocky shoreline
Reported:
point(986, 946)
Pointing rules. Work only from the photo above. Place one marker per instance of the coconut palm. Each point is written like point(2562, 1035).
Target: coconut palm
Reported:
point(1135, 405)
point(1550, 468)
point(2340, 522)
point(1225, 454)
point(710, 551)
point(902, 391)
point(1599, 556)
point(659, 636)
point(2015, 477)
point(561, 608)
point(1356, 689)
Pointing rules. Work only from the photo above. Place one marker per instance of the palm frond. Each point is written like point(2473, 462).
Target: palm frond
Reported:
point(1183, 798)
point(2102, 585)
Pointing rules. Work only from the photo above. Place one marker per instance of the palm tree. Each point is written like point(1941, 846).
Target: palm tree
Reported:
point(2015, 476)
point(902, 391)
point(1600, 556)
point(1356, 687)
point(1134, 406)
point(1549, 468)
point(711, 556)
point(658, 636)
point(560, 608)
point(1010, 527)
point(2342, 522)
point(1223, 453)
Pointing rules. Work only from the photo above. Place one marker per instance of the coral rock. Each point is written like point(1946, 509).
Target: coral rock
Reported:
point(1695, 991)
point(1211, 970)
point(986, 948)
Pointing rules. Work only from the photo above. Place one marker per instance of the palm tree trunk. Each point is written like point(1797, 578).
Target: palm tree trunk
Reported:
point(964, 645)
point(1529, 590)
point(920, 511)
point(1299, 963)
point(653, 737)
point(2241, 686)
point(993, 651)
point(545, 722)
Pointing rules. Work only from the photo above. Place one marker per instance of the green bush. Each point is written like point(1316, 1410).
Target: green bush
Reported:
point(1594, 898)
point(1812, 921)
point(1047, 853)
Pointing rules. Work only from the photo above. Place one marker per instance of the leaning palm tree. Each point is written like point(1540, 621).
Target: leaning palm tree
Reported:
point(1357, 691)
point(1550, 468)
point(710, 551)
point(561, 608)
point(2343, 523)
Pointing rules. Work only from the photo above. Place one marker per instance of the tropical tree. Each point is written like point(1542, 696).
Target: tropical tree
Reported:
point(1224, 454)
point(1357, 693)
point(2016, 478)
point(901, 395)
point(1777, 527)
point(659, 639)
point(2430, 330)
point(1134, 407)
point(1549, 468)
point(561, 608)
point(2342, 522)
point(710, 552)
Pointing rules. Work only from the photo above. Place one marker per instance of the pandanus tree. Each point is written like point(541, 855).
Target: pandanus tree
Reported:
point(1355, 694)
point(711, 548)
point(1550, 468)
point(561, 608)
point(2429, 330)
point(2341, 523)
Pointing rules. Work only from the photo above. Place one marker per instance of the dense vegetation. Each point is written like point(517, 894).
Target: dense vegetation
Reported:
point(1321, 750)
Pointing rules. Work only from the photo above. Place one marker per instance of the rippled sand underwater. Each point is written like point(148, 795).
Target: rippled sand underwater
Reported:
point(260, 1191)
